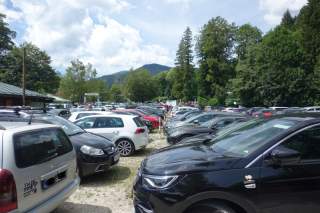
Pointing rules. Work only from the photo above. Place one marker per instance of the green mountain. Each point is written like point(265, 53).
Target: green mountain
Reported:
point(118, 77)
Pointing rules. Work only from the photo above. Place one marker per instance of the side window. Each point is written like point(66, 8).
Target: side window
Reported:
point(109, 122)
point(86, 123)
point(307, 143)
point(203, 118)
point(224, 123)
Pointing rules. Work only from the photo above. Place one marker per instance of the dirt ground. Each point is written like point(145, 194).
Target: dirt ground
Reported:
point(110, 192)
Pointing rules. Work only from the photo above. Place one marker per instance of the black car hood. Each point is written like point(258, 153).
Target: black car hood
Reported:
point(186, 158)
point(90, 139)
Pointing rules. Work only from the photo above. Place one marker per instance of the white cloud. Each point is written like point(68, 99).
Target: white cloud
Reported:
point(69, 29)
point(274, 9)
point(178, 1)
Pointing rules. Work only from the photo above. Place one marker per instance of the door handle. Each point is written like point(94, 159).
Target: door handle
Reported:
point(115, 132)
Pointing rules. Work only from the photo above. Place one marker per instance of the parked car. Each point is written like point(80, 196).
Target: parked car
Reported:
point(127, 132)
point(153, 119)
point(292, 110)
point(80, 114)
point(278, 109)
point(209, 127)
point(266, 113)
point(204, 138)
point(312, 109)
point(38, 169)
point(270, 166)
point(65, 113)
point(253, 110)
point(199, 119)
point(152, 110)
point(185, 116)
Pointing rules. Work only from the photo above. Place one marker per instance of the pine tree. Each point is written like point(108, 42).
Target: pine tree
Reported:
point(287, 19)
point(184, 85)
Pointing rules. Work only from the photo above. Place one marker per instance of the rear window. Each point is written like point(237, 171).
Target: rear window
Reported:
point(139, 122)
point(36, 147)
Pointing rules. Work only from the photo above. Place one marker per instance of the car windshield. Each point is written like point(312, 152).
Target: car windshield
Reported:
point(69, 127)
point(248, 138)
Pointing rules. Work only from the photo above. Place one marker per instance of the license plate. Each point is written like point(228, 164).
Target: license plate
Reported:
point(116, 157)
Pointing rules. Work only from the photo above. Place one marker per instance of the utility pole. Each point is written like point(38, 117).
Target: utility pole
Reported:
point(23, 77)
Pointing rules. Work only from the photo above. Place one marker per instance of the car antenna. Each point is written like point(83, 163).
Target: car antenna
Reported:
point(30, 119)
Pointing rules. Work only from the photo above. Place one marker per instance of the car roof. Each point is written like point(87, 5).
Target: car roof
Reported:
point(110, 115)
point(7, 125)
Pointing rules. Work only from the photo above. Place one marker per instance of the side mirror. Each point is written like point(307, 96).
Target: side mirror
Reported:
point(196, 121)
point(282, 156)
point(214, 127)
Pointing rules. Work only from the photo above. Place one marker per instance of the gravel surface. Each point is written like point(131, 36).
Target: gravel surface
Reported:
point(110, 192)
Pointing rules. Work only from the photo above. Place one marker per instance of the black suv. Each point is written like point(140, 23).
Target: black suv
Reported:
point(268, 166)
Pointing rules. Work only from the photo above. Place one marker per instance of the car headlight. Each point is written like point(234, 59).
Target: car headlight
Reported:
point(158, 182)
point(88, 150)
point(111, 150)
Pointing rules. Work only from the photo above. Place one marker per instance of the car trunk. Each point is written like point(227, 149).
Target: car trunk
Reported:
point(45, 164)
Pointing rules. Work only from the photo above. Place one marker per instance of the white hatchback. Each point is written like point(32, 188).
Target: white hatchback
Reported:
point(127, 132)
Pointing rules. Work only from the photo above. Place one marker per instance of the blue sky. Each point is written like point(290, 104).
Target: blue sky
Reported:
point(116, 35)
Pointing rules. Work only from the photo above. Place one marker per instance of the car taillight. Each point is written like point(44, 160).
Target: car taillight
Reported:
point(139, 131)
point(8, 192)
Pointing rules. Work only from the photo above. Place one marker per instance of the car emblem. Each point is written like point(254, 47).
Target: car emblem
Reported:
point(249, 182)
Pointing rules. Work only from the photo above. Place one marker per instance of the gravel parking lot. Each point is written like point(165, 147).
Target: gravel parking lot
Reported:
point(110, 192)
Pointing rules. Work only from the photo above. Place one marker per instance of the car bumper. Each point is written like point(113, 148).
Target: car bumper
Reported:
point(140, 142)
point(147, 202)
point(95, 165)
point(53, 202)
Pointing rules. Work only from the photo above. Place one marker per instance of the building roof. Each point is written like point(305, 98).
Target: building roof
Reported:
point(11, 90)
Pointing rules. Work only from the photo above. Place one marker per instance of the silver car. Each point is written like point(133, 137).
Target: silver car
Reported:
point(37, 167)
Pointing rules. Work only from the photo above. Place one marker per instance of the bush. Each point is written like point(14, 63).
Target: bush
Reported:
point(213, 102)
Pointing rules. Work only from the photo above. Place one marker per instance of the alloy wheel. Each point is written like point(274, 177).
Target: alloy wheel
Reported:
point(125, 148)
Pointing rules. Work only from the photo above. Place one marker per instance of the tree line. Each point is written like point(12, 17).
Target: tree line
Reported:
point(240, 64)
point(224, 64)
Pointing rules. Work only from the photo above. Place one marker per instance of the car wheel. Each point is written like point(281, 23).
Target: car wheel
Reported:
point(211, 208)
point(125, 147)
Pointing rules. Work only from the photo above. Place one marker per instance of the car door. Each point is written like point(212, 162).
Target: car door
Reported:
point(293, 188)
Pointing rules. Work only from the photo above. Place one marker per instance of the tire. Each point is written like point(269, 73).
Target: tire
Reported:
point(211, 208)
point(125, 147)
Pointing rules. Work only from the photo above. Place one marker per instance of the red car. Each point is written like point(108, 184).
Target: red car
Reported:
point(155, 120)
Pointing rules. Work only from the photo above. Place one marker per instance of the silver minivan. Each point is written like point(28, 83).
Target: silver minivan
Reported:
point(38, 168)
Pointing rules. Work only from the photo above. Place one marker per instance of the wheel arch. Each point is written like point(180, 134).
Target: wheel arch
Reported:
point(235, 201)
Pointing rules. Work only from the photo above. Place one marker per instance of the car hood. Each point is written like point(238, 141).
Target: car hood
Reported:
point(186, 158)
point(90, 139)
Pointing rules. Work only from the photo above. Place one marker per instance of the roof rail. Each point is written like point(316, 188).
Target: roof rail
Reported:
point(20, 108)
